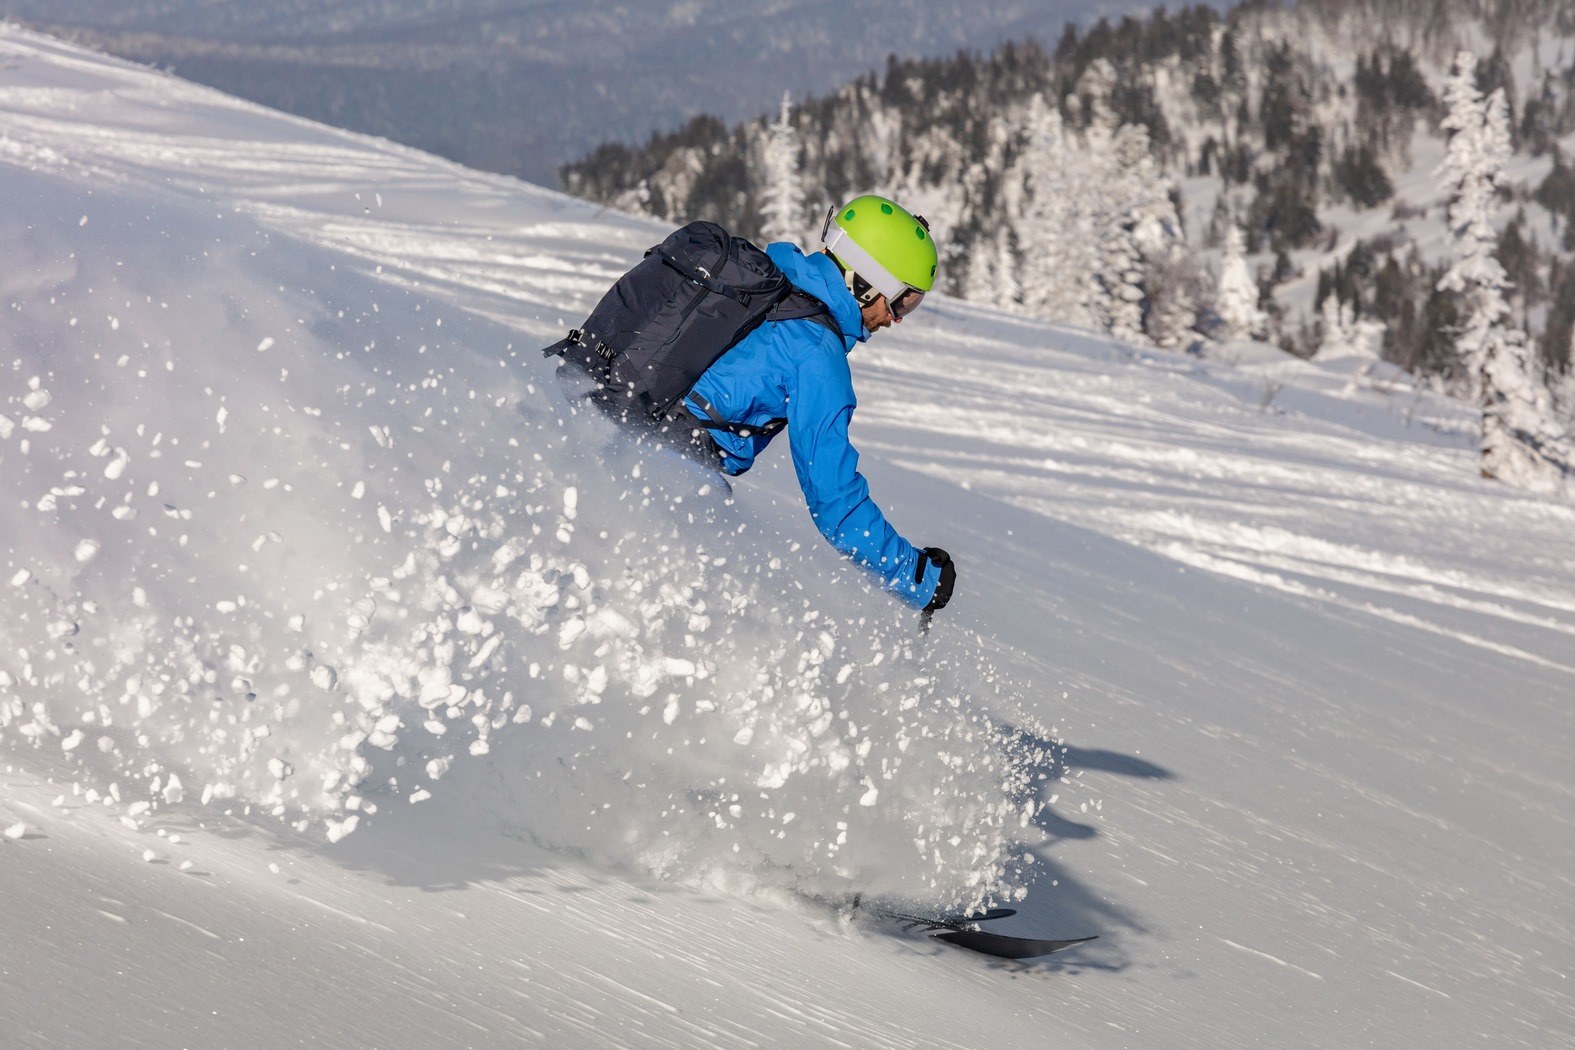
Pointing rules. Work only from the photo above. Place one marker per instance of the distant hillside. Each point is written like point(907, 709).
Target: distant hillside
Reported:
point(524, 86)
point(1314, 128)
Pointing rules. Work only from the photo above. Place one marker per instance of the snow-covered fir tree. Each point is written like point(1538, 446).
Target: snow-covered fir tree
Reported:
point(1236, 292)
point(1522, 443)
point(1055, 223)
point(1336, 340)
point(1561, 384)
point(1118, 278)
point(1098, 237)
point(1344, 335)
point(782, 209)
point(1139, 242)
point(1345, 338)
point(992, 271)
point(1171, 284)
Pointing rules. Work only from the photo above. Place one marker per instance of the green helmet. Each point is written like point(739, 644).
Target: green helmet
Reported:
point(884, 243)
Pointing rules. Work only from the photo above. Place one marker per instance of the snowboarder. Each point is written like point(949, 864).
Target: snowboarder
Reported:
point(876, 264)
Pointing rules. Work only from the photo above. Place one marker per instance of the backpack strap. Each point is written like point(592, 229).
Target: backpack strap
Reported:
point(771, 429)
point(800, 305)
point(576, 337)
point(795, 306)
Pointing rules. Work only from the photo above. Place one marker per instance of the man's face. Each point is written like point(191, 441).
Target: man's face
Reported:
point(878, 315)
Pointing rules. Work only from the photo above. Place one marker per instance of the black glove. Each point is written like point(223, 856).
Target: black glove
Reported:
point(948, 580)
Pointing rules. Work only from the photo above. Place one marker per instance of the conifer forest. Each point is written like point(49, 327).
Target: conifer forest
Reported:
point(1285, 172)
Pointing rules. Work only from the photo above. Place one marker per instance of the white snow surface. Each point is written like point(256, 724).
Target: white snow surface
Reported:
point(355, 692)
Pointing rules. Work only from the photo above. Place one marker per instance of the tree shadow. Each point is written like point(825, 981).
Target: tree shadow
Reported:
point(1071, 760)
point(1058, 903)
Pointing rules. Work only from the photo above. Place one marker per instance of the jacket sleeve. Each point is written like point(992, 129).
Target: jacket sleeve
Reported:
point(819, 410)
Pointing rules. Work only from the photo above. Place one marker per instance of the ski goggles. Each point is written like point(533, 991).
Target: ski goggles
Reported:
point(905, 303)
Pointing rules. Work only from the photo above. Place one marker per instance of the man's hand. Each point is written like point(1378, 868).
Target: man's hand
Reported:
point(943, 587)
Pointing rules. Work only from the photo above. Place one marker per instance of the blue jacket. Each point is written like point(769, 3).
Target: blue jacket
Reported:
point(798, 370)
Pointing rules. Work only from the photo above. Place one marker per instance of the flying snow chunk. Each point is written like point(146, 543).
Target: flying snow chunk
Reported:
point(570, 631)
point(117, 466)
point(21, 577)
point(16, 831)
point(265, 345)
point(58, 629)
point(339, 829)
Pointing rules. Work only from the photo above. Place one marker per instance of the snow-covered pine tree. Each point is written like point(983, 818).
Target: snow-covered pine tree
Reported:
point(1344, 338)
point(992, 271)
point(782, 207)
point(1236, 292)
point(1522, 442)
point(1138, 230)
point(1098, 239)
point(1140, 284)
point(1055, 275)
point(1336, 339)
point(1561, 384)
point(1110, 178)
point(1173, 282)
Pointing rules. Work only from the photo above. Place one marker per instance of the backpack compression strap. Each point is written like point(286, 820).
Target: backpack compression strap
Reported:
point(716, 422)
point(797, 306)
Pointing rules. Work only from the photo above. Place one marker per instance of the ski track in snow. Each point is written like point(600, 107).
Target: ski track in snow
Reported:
point(1248, 672)
point(1273, 506)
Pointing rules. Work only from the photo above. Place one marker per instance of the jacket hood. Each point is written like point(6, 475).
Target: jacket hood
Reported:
point(819, 276)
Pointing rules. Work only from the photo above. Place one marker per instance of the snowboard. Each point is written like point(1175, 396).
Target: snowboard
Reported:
point(965, 931)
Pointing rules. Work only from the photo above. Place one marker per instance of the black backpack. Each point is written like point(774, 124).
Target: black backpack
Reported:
point(683, 306)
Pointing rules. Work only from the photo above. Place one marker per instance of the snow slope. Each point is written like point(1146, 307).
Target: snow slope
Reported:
point(355, 692)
